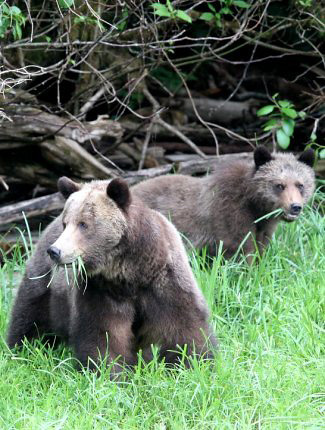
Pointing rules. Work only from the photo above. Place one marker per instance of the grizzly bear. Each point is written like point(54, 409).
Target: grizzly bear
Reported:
point(139, 289)
point(228, 205)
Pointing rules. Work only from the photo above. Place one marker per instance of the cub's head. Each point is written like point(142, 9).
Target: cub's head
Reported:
point(93, 220)
point(284, 182)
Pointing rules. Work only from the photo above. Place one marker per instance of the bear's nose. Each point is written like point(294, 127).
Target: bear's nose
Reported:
point(54, 253)
point(295, 209)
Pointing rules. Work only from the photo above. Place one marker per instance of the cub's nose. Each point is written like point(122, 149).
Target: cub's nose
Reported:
point(295, 209)
point(54, 253)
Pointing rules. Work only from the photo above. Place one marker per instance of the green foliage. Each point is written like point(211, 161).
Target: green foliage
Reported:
point(304, 3)
point(168, 11)
point(122, 25)
point(170, 79)
point(226, 9)
point(66, 4)
point(11, 18)
point(319, 149)
point(89, 21)
point(282, 123)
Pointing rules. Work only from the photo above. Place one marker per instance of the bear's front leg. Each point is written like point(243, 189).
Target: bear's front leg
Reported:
point(102, 330)
point(30, 313)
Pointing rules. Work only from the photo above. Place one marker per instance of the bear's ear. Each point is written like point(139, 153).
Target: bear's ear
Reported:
point(261, 156)
point(118, 190)
point(66, 186)
point(308, 157)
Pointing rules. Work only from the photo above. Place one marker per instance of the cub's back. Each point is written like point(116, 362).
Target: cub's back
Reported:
point(175, 196)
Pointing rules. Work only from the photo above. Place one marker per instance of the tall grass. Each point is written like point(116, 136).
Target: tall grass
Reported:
point(269, 372)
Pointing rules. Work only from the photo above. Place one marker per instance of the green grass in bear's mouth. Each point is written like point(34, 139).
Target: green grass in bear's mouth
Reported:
point(276, 213)
point(78, 269)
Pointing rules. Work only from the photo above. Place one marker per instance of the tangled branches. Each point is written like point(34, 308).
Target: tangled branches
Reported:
point(172, 77)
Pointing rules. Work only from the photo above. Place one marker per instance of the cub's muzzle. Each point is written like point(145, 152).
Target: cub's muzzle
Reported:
point(295, 209)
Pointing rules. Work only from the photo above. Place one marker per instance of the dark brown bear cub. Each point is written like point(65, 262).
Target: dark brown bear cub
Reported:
point(140, 289)
point(225, 205)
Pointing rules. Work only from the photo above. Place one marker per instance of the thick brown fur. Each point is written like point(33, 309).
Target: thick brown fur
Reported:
point(140, 289)
point(225, 205)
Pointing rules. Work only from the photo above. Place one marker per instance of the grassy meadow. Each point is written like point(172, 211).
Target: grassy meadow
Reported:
point(269, 372)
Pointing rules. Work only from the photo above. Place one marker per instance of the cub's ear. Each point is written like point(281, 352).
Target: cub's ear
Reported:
point(308, 157)
point(118, 190)
point(261, 156)
point(66, 186)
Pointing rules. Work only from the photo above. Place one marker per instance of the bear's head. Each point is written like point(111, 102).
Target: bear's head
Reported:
point(94, 221)
point(282, 181)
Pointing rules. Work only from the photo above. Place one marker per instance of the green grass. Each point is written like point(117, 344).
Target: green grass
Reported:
point(269, 373)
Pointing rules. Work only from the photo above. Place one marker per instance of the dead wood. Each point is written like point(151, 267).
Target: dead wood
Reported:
point(28, 123)
point(27, 172)
point(33, 207)
point(218, 111)
point(225, 148)
point(69, 154)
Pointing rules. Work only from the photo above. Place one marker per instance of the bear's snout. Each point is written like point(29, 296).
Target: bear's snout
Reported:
point(54, 253)
point(295, 209)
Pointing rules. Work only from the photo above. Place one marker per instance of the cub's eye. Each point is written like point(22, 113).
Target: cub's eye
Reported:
point(64, 225)
point(82, 225)
point(300, 187)
point(279, 187)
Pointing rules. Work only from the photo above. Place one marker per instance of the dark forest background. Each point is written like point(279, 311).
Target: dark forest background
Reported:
point(99, 89)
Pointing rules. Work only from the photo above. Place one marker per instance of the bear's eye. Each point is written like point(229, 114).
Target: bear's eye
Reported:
point(82, 225)
point(279, 187)
point(64, 225)
point(300, 187)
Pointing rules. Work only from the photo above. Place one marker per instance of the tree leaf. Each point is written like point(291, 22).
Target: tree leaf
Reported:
point(225, 11)
point(321, 154)
point(170, 7)
point(284, 103)
point(5, 9)
point(291, 113)
point(288, 126)
point(160, 10)
point(240, 3)
point(18, 32)
point(4, 24)
point(211, 7)
point(207, 16)
point(282, 139)
point(183, 16)
point(265, 110)
point(269, 125)
point(66, 4)
point(14, 10)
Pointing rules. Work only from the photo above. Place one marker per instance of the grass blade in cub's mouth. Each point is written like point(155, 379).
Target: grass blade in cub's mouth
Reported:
point(66, 274)
point(275, 213)
point(78, 268)
point(53, 270)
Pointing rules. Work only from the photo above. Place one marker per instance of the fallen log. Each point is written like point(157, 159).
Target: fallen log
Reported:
point(69, 154)
point(224, 148)
point(33, 207)
point(218, 111)
point(34, 125)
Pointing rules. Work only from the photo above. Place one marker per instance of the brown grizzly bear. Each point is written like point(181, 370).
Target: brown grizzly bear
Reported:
point(225, 205)
point(140, 288)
